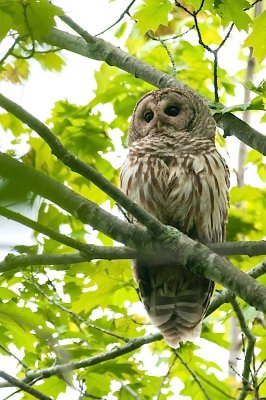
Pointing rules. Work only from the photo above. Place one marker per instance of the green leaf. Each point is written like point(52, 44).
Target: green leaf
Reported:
point(6, 294)
point(6, 23)
point(9, 122)
point(17, 71)
point(40, 16)
point(32, 17)
point(256, 104)
point(257, 37)
point(152, 14)
point(50, 61)
point(121, 30)
point(233, 11)
point(259, 89)
point(22, 324)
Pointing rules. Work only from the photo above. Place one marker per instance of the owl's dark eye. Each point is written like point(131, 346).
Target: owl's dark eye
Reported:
point(148, 116)
point(172, 111)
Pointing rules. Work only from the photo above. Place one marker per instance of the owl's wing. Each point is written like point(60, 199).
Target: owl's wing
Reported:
point(197, 196)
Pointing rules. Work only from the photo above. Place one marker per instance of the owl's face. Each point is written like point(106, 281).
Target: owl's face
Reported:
point(170, 109)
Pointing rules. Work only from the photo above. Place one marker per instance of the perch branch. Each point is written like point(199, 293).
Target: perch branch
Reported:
point(187, 253)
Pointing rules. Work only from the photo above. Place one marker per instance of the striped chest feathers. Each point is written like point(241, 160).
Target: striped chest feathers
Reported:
point(189, 191)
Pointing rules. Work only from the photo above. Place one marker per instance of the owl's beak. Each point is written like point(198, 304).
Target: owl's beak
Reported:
point(159, 124)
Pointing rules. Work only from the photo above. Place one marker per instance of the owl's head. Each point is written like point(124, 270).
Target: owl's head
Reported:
point(171, 109)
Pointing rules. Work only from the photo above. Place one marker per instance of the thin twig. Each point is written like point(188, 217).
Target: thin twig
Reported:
point(170, 38)
point(130, 391)
point(78, 29)
point(222, 297)
point(75, 316)
point(119, 19)
point(206, 47)
point(169, 55)
point(194, 376)
point(94, 360)
point(200, 7)
point(10, 50)
point(215, 387)
point(32, 50)
point(166, 377)
point(6, 350)
point(249, 353)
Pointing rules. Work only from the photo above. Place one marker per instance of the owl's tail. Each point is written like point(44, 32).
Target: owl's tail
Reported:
point(176, 300)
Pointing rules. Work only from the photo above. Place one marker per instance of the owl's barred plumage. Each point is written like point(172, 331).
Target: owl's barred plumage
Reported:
point(174, 171)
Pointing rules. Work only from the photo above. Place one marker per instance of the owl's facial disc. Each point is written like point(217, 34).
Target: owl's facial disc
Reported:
point(158, 114)
point(171, 111)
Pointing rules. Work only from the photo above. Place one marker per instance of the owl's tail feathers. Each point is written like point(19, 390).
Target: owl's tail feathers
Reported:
point(176, 334)
point(175, 323)
point(175, 298)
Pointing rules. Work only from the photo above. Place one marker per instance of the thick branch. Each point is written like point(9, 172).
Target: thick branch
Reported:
point(187, 253)
point(233, 126)
point(83, 209)
point(100, 50)
point(250, 248)
point(222, 297)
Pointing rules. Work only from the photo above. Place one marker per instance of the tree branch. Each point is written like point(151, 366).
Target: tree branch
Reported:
point(77, 317)
point(194, 376)
point(88, 252)
point(103, 51)
point(82, 208)
point(87, 362)
point(166, 376)
point(79, 166)
point(250, 347)
point(222, 297)
point(187, 253)
point(29, 260)
point(93, 252)
point(249, 248)
point(233, 126)
point(23, 386)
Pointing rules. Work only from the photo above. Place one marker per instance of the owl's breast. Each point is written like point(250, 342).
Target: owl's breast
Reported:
point(188, 191)
point(144, 180)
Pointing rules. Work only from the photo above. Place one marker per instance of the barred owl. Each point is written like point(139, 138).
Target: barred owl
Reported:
point(174, 171)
